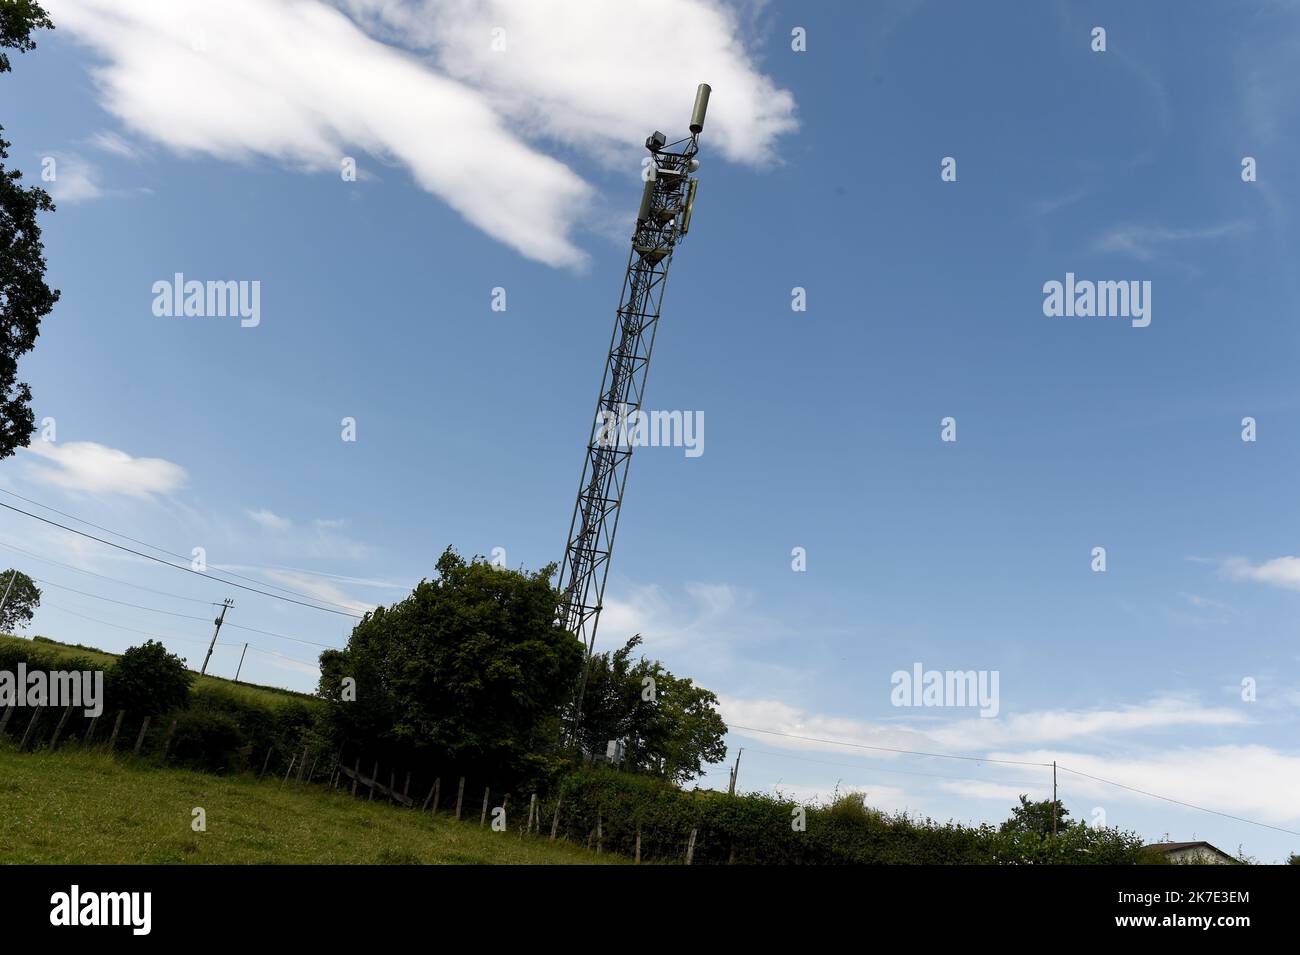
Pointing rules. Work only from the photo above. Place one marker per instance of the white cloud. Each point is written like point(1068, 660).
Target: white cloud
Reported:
point(599, 76)
point(968, 735)
point(1281, 572)
point(75, 179)
point(315, 586)
point(1251, 781)
point(270, 520)
point(301, 83)
point(87, 466)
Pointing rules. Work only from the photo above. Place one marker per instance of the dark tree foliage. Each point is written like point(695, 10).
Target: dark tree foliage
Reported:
point(24, 597)
point(18, 18)
point(24, 297)
point(147, 680)
point(669, 726)
point(1036, 817)
point(470, 671)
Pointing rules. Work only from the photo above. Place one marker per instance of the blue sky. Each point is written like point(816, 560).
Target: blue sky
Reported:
point(210, 145)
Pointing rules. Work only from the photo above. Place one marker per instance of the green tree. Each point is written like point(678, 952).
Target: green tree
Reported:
point(1036, 817)
point(18, 18)
point(24, 297)
point(147, 680)
point(670, 726)
point(471, 669)
point(24, 598)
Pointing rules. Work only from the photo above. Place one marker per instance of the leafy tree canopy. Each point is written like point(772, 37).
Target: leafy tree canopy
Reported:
point(24, 598)
point(669, 726)
point(471, 668)
point(148, 680)
point(24, 297)
point(1036, 817)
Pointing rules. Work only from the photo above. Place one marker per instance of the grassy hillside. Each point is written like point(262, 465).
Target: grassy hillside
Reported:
point(254, 694)
point(87, 807)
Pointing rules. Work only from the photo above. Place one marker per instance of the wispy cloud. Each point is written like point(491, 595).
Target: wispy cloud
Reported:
point(111, 142)
point(1148, 242)
point(270, 520)
point(75, 179)
point(1281, 572)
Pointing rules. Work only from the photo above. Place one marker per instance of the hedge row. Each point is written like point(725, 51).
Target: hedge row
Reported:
point(224, 728)
point(760, 829)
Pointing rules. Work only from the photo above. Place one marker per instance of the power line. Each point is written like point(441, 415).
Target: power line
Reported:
point(118, 626)
point(188, 570)
point(1179, 802)
point(120, 603)
point(1109, 782)
point(173, 636)
point(184, 616)
point(887, 749)
point(875, 769)
point(163, 550)
point(116, 580)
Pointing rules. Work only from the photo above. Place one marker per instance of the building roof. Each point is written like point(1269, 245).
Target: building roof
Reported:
point(1178, 846)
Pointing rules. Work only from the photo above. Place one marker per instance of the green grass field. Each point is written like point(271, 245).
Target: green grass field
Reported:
point(265, 695)
point(88, 807)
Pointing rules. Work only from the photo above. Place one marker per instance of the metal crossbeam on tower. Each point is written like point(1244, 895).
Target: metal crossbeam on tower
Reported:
point(667, 202)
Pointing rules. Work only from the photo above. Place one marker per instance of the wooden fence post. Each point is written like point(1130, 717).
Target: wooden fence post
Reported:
point(437, 793)
point(406, 789)
point(90, 732)
point(302, 764)
point(374, 778)
point(638, 845)
point(392, 785)
point(117, 725)
point(356, 775)
point(460, 794)
point(555, 819)
point(483, 818)
point(58, 730)
point(167, 743)
point(532, 811)
point(139, 740)
point(31, 725)
point(266, 762)
point(4, 720)
point(312, 772)
point(425, 805)
point(289, 770)
point(600, 834)
point(690, 849)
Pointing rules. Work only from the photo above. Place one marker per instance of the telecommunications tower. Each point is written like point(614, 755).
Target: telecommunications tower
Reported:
point(664, 217)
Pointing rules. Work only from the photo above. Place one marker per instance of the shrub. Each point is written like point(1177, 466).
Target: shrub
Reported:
point(147, 680)
point(207, 740)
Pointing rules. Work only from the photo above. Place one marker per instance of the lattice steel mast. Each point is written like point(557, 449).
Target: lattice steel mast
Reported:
point(667, 202)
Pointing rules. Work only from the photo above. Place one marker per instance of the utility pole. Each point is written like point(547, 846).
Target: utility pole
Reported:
point(225, 605)
point(735, 773)
point(1053, 799)
point(5, 599)
point(241, 662)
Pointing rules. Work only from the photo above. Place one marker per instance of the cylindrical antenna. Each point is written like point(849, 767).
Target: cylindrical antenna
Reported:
point(701, 107)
